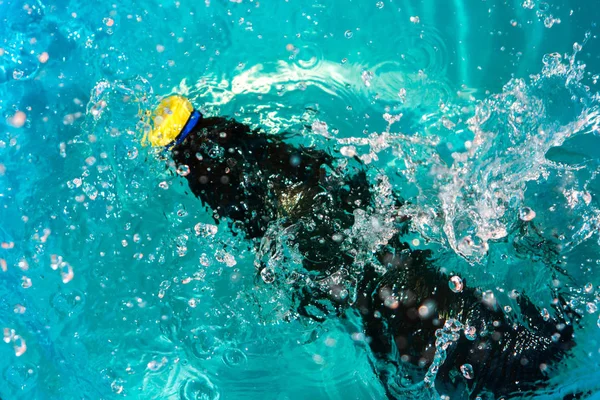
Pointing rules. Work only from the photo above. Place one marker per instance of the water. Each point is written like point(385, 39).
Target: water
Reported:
point(115, 281)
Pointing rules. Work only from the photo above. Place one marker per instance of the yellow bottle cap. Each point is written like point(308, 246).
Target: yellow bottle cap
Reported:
point(168, 119)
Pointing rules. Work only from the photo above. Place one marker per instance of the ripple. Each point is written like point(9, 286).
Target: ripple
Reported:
point(199, 388)
point(234, 358)
point(405, 72)
point(427, 50)
point(308, 56)
point(204, 343)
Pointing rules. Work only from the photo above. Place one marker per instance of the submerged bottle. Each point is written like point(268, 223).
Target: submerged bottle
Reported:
point(413, 314)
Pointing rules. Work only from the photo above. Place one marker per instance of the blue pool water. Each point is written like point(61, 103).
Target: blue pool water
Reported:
point(114, 281)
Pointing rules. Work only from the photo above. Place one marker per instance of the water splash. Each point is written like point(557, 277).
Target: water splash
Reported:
point(445, 337)
point(481, 193)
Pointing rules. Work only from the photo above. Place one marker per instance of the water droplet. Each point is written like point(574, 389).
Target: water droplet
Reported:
point(470, 332)
point(183, 170)
point(467, 371)
point(117, 386)
point(66, 272)
point(591, 308)
point(550, 21)
point(19, 309)
point(320, 128)
point(456, 284)
point(337, 237)
point(545, 314)
point(18, 74)
point(367, 77)
point(19, 346)
point(426, 310)
point(528, 4)
point(348, 34)
point(132, 153)
point(204, 261)
point(379, 4)
point(267, 275)
point(18, 119)
point(200, 388)
point(348, 151)
point(205, 230)
point(488, 298)
point(225, 257)
point(507, 309)
point(26, 282)
point(157, 365)
point(526, 214)
point(588, 287)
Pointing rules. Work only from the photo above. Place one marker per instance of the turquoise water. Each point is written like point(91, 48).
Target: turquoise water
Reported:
point(112, 280)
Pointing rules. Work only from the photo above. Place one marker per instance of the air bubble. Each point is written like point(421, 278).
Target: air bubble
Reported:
point(348, 34)
point(456, 284)
point(183, 170)
point(526, 214)
point(470, 332)
point(467, 371)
